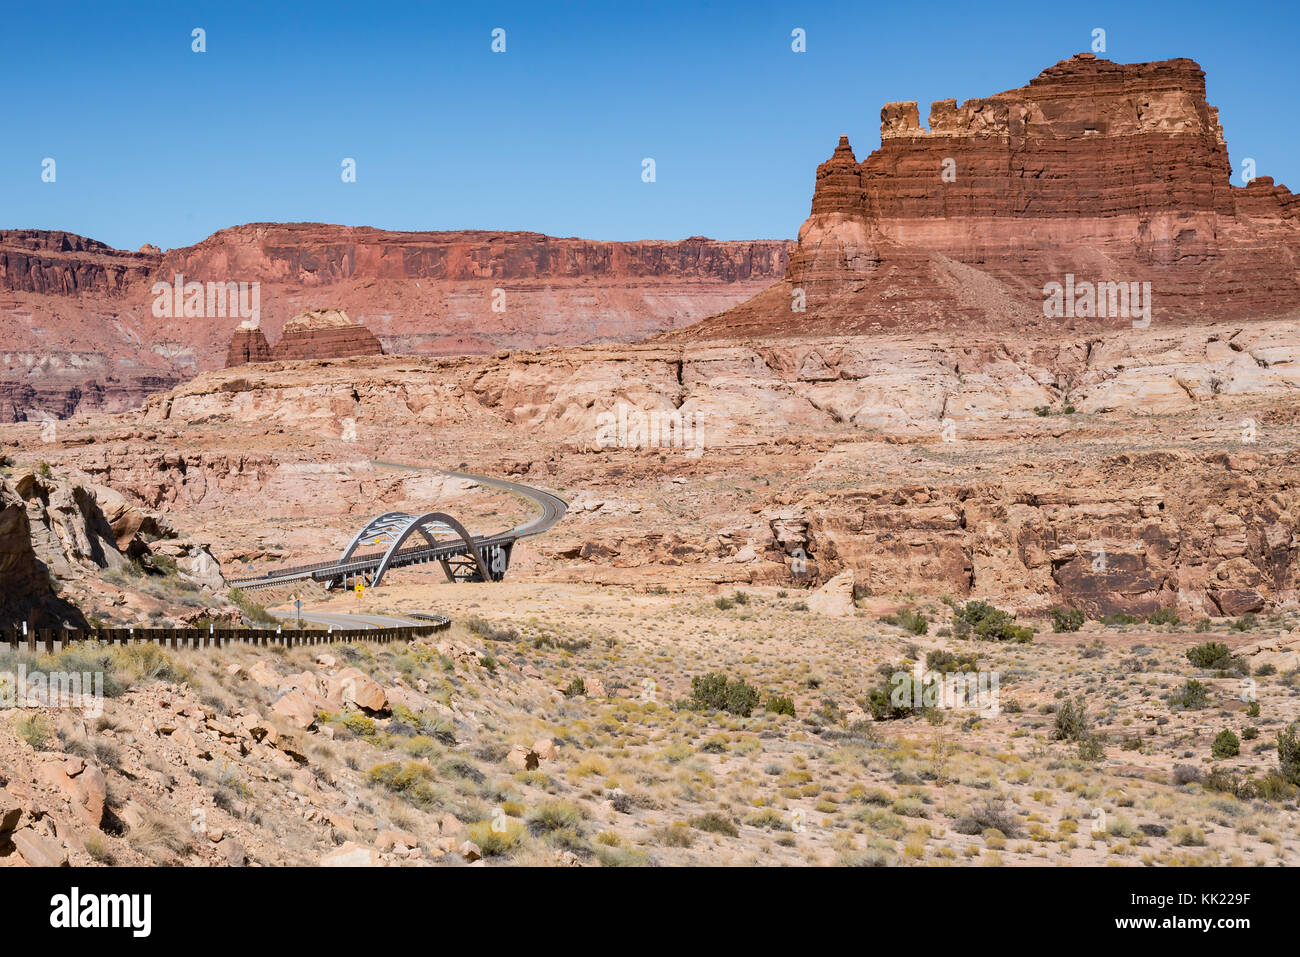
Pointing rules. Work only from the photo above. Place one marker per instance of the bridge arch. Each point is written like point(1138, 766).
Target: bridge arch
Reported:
point(421, 524)
point(384, 527)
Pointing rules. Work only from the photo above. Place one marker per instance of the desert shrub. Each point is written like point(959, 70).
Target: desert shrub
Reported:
point(1092, 748)
point(1163, 616)
point(989, 623)
point(769, 818)
point(254, 612)
point(714, 691)
point(910, 620)
point(1187, 774)
point(989, 814)
point(35, 729)
point(486, 630)
point(1072, 721)
point(1245, 623)
point(425, 723)
point(553, 816)
point(575, 687)
point(1192, 696)
point(1249, 734)
point(1252, 710)
point(948, 662)
point(715, 823)
point(495, 840)
point(1212, 655)
point(410, 780)
point(99, 849)
point(1288, 753)
point(1115, 619)
point(1066, 619)
point(899, 695)
point(778, 704)
point(1226, 744)
point(723, 603)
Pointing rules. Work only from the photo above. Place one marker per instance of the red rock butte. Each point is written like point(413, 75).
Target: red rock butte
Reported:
point(1107, 172)
point(314, 334)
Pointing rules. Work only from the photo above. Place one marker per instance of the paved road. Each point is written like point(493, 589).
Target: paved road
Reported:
point(553, 507)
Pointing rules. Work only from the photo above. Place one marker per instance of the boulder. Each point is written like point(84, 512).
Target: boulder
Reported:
point(835, 598)
point(295, 708)
point(351, 854)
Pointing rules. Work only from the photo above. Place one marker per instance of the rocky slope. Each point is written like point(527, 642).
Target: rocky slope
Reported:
point(1106, 172)
point(70, 547)
point(1116, 471)
point(81, 331)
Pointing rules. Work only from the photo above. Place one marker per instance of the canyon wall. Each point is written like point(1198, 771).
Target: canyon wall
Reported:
point(80, 331)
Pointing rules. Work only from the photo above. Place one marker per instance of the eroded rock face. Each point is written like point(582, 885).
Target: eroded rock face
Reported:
point(80, 332)
point(1107, 172)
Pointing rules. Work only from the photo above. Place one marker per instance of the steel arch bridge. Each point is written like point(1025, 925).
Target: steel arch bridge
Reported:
point(438, 537)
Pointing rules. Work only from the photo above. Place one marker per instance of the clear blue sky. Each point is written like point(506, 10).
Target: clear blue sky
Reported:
point(155, 143)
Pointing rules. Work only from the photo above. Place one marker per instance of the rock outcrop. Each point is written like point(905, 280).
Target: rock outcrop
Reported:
point(1095, 172)
point(247, 345)
point(314, 334)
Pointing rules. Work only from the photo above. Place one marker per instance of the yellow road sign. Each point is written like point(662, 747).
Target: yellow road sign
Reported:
point(359, 588)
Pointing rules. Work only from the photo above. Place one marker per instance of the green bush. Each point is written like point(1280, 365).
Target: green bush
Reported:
point(1066, 619)
point(1072, 721)
point(899, 695)
point(255, 613)
point(714, 691)
point(948, 662)
point(1226, 745)
point(575, 687)
point(1118, 618)
point(910, 620)
point(1092, 748)
point(1288, 753)
point(989, 623)
point(1245, 623)
point(1212, 655)
point(1192, 696)
point(779, 704)
point(1163, 616)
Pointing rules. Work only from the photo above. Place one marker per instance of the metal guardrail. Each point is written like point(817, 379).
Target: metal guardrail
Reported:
point(50, 640)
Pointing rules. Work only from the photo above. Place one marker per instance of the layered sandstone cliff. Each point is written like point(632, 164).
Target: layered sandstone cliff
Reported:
point(1102, 172)
point(81, 331)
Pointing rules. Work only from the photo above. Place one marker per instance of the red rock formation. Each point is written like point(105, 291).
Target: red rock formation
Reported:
point(78, 321)
point(325, 334)
point(247, 345)
point(1108, 172)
